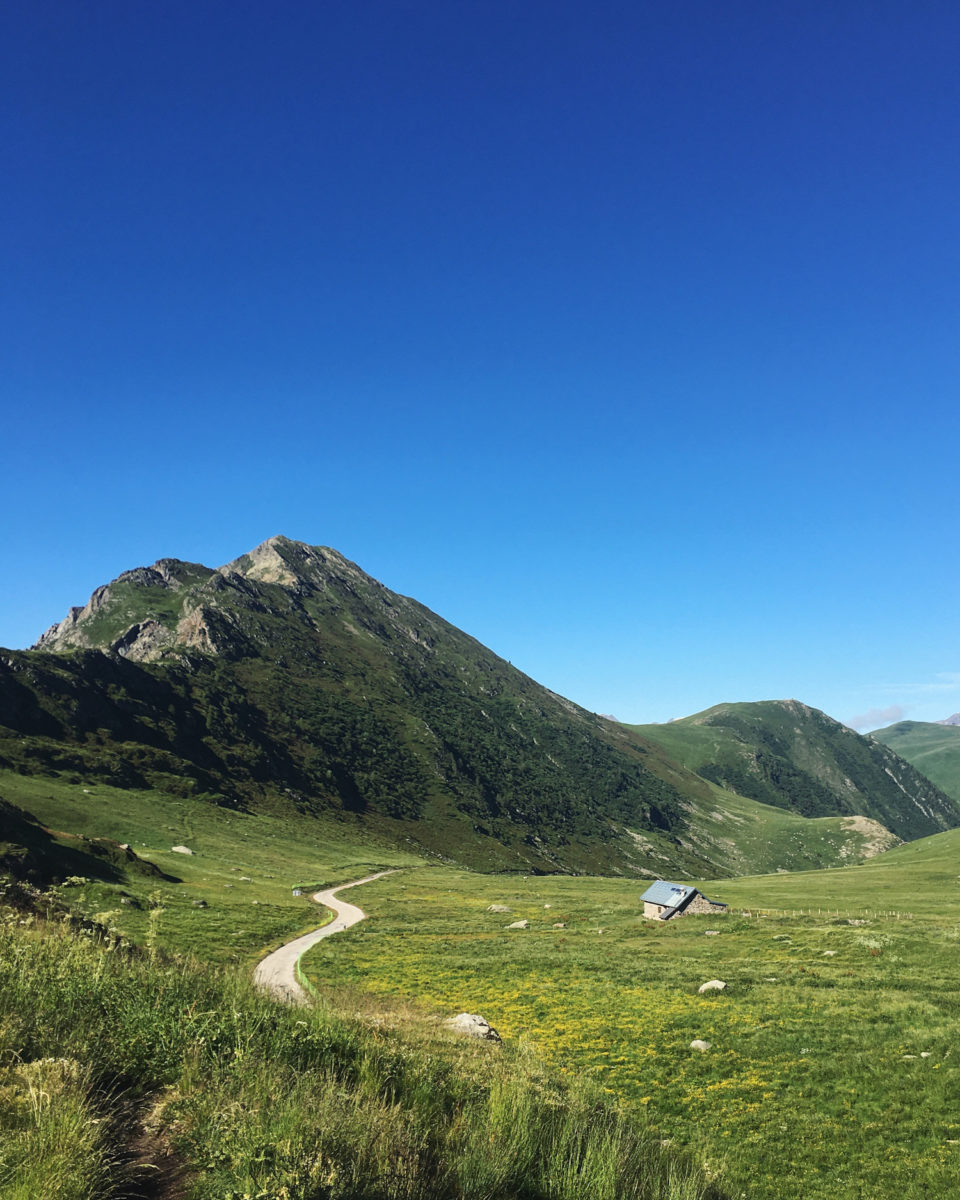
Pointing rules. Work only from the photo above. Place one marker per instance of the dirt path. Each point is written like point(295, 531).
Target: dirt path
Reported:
point(277, 973)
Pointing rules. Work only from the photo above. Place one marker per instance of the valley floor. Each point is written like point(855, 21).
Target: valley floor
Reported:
point(832, 1070)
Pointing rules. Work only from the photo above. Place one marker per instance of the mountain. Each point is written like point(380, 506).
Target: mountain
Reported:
point(933, 747)
point(954, 720)
point(785, 754)
point(291, 680)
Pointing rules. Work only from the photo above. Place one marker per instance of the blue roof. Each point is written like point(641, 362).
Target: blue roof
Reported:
point(667, 894)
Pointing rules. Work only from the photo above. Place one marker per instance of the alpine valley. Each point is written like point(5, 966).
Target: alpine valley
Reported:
point(289, 683)
point(192, 755)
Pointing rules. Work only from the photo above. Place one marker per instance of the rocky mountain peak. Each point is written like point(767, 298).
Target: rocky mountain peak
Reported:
point(954, 720)
point(148, 612)
point(294, 564)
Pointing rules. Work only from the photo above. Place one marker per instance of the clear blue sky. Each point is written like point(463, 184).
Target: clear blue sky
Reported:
point(624, 336)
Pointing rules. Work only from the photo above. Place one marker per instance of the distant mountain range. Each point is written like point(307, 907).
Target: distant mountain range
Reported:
point(786, 754)
point(289, 679)
point(933, 747)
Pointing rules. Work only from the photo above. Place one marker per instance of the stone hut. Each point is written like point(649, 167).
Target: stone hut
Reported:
point(663, 900)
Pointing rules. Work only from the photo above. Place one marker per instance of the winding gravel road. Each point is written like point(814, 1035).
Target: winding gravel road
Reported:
point(277, 973)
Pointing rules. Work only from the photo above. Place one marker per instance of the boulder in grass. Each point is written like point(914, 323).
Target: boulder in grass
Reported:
point(712, 985)
point(701, 1045)
point(517, 925)
point(181, 849)
point(473, 1025)
point(501, 908)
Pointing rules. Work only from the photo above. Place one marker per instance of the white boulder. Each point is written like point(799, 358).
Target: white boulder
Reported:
point(473, 1025)
point(712, 985)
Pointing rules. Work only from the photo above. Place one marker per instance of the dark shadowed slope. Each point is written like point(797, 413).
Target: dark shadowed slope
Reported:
point(290, 678)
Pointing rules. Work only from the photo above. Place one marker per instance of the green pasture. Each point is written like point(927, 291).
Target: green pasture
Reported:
point(244, 866)
point(832, 1070)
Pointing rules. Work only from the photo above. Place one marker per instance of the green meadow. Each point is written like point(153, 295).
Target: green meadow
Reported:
point(833, 1069)
point(244, 867)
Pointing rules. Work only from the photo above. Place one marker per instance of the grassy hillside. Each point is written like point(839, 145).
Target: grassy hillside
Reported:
point(785, 754)
point(118, 1053)
point(131, 1074)
point(227, 900)
point(801, 1038)
point(933, 749)
point(832, 1069)
point(290, 681)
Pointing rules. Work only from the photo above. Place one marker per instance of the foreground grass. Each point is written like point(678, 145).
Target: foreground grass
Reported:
point(833, 1070)
point(102, 1047)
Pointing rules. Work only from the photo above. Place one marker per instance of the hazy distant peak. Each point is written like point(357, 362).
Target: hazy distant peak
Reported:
point(954, 720)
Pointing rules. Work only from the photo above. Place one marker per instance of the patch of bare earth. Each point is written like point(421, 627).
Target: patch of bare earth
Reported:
point(151, 1168)
point(876, 837)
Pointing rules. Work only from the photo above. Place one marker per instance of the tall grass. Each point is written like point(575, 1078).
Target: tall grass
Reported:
point(51, 1141)
point(261, 1102)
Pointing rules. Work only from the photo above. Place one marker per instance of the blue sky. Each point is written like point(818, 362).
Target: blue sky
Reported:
point(623, 336)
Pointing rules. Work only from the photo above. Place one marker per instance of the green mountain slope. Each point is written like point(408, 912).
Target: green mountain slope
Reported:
point(785, 754)
point(932, 748)
point(291, 680)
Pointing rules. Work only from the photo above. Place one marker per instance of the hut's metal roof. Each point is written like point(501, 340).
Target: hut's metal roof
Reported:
point(667, 894)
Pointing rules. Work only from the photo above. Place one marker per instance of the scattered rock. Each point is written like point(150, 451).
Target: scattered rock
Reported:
point(769, 979)
point(518, 925)
point(124, 845)
point(712, 985)
point(548, 906)
point(129, 902)
point(473, 1025)
point(245, 879)
point(926, 1053)
point(701, 1045)
point(856, 921)
point(908, 1056)
point(829, 953)
point(199, 904)
point(711, 933)
point(560, 925)
point(498, 908)
point(181, 850)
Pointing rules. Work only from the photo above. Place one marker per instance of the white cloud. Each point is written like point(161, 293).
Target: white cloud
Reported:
point(874, 718)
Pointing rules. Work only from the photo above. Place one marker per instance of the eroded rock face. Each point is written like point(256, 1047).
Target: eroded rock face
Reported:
point(473, 1025)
